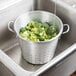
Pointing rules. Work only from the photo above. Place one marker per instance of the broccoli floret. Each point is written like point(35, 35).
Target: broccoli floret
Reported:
point(36, 31)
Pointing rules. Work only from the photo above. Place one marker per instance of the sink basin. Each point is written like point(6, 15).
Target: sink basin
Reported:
point(5, 71)
point(66, 46)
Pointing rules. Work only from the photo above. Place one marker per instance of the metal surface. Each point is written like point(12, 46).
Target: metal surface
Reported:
point(15, 54)
point(16, 69)
point(70, 2)
point(63, 68)
point(67, 14)
point(43, 51)
point(8, 14)
point(5, 71)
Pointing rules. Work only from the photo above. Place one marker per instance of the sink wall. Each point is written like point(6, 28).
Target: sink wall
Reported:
point(65, 12)
point(6, 37)
point(4, 71)
point(11, 13)
point(68, 15)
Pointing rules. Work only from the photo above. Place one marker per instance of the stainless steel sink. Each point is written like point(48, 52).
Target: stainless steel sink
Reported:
point(4, 71)
point(66, 46)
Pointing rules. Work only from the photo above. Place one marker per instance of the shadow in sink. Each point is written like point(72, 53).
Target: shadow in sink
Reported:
point(4, 71)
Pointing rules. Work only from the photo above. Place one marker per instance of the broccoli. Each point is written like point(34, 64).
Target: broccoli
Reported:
point(37, 31)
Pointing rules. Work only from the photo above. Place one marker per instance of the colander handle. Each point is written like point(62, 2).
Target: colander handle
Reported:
point(66, 28)
point(11, 27)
